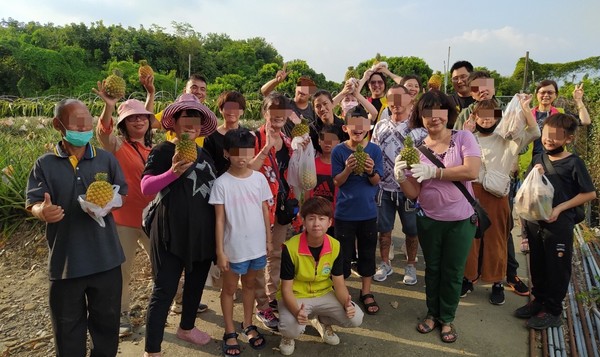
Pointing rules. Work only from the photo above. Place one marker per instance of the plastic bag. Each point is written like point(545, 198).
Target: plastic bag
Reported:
point(533, 201)
point(98, 213)
point(513, 120)
point(302, 172)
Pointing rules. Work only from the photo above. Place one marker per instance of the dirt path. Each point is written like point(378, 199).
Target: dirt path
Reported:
point(484, 329)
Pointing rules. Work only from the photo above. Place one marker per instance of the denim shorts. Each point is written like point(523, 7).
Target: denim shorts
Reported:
point(388, 203)
point(253, 264)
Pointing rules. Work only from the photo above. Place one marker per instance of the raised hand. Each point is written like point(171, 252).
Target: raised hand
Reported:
point(301, 315)
point(282, 74)
point(578, 92)
point(399, 167)
point(148, 83)
point(525, 101)
point(349, 307)
point(49, 212)
point(178, 166)
point(469, 124)
point(101, 92)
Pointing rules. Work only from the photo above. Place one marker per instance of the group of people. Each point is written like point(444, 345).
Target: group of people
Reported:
point(207, 207)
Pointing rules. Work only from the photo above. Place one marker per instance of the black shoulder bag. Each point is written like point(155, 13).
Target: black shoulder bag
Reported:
point(481, 217)
point(579, 211)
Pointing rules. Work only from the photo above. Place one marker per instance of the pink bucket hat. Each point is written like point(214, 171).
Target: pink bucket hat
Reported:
point(185, 102)
point(132, 107)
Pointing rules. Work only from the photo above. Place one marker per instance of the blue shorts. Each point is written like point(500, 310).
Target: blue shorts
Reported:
point(253, 264)
point(388, 203)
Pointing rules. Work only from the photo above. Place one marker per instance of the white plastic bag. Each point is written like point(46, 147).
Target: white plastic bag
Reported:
point(302, 173)
point(533, 201)
point(513, 120)
point(97, 212)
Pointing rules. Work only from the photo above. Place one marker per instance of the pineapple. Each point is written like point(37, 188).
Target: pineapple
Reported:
point(308, 178)
point(350, 73)
point(435, 81)
point(99, 192)
point(361, 157)
point(114, 85)
point(377, 59)
point(145, 70)
point(301, 128)
point(186, 148)
point(409, 153)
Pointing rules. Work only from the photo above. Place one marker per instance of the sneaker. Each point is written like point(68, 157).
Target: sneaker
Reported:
point(176, 307)
point(274, 305)
point(125, 328)
point(410, 275)
point(287, 346)
point(527, 311)
point(497, 295)
point(467, 287)
point(268, 318)
point(383, 271)
point(518, 286)
point(544, 320)
point(326, 332)
point(354, 268)
point(391, 254)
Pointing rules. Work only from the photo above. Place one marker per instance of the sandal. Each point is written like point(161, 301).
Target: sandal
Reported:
point(449, 336)
point(366, 306)
point(524, 246)
point(424, 327)
point(225, 347)
point(252, 340)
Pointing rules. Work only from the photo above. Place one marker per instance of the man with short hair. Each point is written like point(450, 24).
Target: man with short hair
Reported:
point(461, 97)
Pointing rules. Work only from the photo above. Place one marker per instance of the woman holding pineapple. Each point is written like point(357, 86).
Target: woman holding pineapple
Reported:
point(182, 233)
point(445, 216)
point(131, 148)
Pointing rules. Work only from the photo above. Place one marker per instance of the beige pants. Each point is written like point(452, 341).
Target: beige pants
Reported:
point(267, 281)
point(130, 238)
point(326, 307)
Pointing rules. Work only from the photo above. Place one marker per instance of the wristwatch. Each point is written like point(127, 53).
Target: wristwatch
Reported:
point(371, 174)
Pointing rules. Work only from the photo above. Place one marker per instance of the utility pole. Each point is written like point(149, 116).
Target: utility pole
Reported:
point(189, 65)
point(525, 72)
point(446, 71)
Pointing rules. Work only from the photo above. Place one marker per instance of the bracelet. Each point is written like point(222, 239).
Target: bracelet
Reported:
point(441, 173)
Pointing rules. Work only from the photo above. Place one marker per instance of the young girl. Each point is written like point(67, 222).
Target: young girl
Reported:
point(240, 197)
point(182, 231)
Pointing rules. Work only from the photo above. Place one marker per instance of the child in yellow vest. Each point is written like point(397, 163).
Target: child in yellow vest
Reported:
point(312, 281)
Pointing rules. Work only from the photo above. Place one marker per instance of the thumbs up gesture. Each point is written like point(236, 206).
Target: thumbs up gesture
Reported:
point(302, 316)
point(349, 307)
point(47, 211)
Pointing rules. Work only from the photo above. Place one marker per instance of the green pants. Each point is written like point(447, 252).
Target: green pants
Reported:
point(445, 247)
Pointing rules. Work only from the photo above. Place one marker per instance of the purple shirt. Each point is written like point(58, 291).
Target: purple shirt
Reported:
point(442, 200)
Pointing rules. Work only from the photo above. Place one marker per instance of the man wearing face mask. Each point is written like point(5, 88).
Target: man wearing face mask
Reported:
point(84, 259)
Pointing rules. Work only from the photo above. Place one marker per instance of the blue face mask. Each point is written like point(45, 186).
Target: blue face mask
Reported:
point(77, 138)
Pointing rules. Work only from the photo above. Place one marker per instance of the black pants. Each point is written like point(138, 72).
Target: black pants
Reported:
point(165, 287)
point(361, 236)
point(551, 249)
point(91, 303)
point(511, 263)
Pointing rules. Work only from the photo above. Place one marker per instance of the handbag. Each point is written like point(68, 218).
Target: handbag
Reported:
point(480, 217)
point(495, 182)
point(150, 211)
point(579, 211)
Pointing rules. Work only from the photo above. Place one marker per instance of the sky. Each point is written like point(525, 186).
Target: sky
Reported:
point(331, 35)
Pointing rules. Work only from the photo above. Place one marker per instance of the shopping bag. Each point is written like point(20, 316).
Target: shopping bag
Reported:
point(533, 201)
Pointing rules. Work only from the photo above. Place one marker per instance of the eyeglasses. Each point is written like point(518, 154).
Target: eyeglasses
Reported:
point(136, 117)
point(546, 92)
point(462, 77)
point(380, 83)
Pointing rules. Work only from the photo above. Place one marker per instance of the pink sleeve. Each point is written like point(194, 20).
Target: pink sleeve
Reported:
point(152, 185)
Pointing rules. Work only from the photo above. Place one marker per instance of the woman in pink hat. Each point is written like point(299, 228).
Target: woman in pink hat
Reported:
point(182, 232)
point(131, 148)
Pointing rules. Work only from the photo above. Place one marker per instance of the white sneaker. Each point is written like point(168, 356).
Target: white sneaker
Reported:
point(410, 275)
point(391, 255)
point(383, 271)
point(287, 346)
point(125, 328)
point(326, 332)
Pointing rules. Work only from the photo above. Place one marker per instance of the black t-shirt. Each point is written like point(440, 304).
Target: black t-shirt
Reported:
point(308, 113)
point(317, 125)
point(185, 222)
point(213, 144)
point(461, 102)
point(574, 177)
point(288, 271)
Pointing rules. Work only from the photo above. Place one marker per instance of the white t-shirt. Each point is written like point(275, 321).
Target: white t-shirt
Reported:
point(244, 237)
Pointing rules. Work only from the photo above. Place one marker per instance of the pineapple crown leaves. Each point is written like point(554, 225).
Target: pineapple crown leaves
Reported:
point(101, 176)
point(408, 142)
point(117, 72)
point(143, 63)
point(360, 148)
